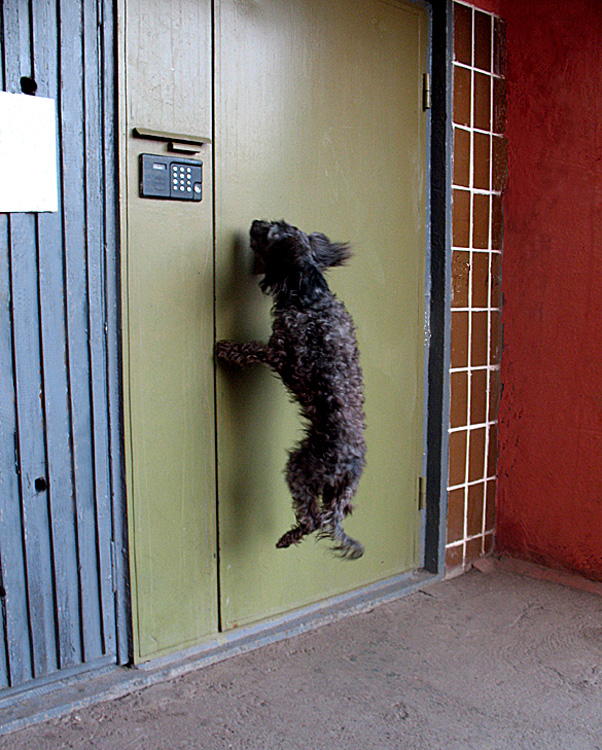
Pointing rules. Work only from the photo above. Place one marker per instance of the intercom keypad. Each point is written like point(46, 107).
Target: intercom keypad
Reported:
point(170, 178)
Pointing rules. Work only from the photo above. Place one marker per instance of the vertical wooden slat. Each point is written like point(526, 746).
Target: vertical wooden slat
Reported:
point(4, 675)
point(30, 426)
point(7, 416)
point(29, 388)
point(75, 238)
point(94, 180)
point(17, 61)
point(112, 295)
point(18, 650)
point(17, 666)
point(54, 355)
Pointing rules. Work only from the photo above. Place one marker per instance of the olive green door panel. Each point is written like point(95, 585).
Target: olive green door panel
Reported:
point(168, 341)
point(314, 113)
point(319, 120)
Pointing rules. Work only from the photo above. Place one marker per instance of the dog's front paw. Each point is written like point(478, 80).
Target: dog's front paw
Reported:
point(225, 350)
point(241, 355)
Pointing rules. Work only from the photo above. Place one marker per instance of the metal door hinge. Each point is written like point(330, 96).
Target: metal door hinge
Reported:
point(426, 92)
point(421, 493)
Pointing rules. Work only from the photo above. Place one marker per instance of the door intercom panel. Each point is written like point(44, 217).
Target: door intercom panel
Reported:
point(170, 178)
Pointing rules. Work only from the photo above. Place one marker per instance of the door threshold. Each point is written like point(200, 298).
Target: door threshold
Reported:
point(84, 690)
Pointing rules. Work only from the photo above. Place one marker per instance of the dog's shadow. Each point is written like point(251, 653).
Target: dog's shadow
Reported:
point(246, 413)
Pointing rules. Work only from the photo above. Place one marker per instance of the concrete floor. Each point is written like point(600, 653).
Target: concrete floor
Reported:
point(491, 660)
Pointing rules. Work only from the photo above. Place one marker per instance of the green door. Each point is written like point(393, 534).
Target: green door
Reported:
point(318, 111)
point(168, 334)
point(315, 114)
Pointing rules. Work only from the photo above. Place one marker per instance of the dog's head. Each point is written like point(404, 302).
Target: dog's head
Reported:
point(289, 259)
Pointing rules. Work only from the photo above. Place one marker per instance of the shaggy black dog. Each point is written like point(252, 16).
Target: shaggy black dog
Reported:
point(313, 349)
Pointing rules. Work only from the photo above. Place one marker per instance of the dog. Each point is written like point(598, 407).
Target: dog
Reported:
point(313, 349)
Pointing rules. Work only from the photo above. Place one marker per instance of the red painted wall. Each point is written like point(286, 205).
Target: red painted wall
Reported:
point(550, 419)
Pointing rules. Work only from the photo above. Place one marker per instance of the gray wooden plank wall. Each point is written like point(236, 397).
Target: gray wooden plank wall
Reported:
point(61, 476)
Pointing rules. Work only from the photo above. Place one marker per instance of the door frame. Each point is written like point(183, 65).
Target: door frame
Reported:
point(438, 285)
point(45, 701)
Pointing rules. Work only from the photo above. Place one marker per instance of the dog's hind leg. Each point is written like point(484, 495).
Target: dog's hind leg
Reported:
point(337, 502)
point(301, 483)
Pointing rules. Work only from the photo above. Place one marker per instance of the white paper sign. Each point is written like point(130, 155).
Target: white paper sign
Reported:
point(28, 159)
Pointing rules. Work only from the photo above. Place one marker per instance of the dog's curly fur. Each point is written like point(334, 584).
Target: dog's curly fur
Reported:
point(313, 349)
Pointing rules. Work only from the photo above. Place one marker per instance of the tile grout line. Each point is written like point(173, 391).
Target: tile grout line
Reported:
point(471, 160)
point(488, 429)
point(476, 190)
point(491, 368)
point(472, 484)
point(459, 542)
point(469, 427)
point(468, 4)
point(474, 309)
point(493, 251)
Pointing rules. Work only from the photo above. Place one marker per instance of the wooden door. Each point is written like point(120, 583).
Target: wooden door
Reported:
point(60, 459)
point(318, 112)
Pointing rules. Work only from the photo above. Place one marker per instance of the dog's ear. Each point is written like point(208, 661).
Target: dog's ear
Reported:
point(326, 253)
